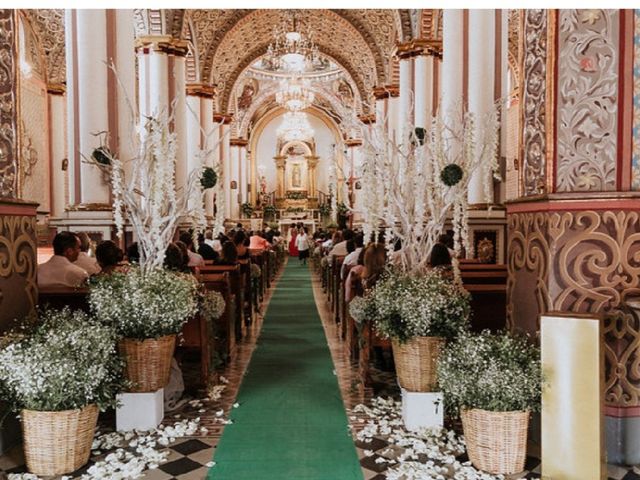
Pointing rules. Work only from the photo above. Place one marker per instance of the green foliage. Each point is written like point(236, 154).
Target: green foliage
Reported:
point(145, 305)
point(407, 306)
point(269, 211)
point(451, 174)
point(496, 372)
point(296, 195)
point(102, 155)
point(209, 178)
point(69, 360)
point(325, 209)
point(247, 209)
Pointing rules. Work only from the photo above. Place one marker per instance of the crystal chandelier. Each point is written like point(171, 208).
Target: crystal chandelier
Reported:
point(292, 49)
point(295, 126)
point(294, 94)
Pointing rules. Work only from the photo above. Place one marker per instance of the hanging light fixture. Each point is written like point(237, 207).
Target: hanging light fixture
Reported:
point(292, 49)
point(295, 126)
point(294, 94)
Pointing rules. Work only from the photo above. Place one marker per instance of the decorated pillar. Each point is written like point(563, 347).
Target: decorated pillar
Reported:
point(59, 160)
point(224, 122)
point(574, 238)
point(239, 171)
point(281, 163)
point(426, 80)
point(312, 163)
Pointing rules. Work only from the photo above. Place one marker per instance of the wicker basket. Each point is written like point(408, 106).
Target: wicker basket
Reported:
point(148, 362)
point(496, 441)
point(417, 361)
point(56, 443)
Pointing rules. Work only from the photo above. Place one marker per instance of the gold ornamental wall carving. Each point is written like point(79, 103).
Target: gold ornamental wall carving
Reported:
point(18, 264)
point(8, 127)
point(583, 261)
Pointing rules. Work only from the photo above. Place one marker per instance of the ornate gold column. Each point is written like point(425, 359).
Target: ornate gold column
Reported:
point(312, 162)
point(281, 162)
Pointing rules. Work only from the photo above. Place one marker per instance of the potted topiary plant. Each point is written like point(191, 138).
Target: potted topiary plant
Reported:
point(58, 376)
point(246, 209)
point(418, 313)
point(147, 310)
point(493, 381)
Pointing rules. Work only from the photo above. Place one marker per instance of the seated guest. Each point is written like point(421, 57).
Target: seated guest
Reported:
point(229, 254)
point(133, 253)
point(241, 241)
point(375, 259)
point(59, 270)
point(205, 250)
point(109, 256)
point(195, 259)
point(352, 258)
point(440, 260)
point(340, 248)
point(185, 256)
point(258, 242)
point(355, 274)
point(173, 259)
point(84, 261)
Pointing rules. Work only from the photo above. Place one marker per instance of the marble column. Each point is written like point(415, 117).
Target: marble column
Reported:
point(197, 130)
point(482, 38)
point(210, 143)
point(177, 81)
point(424, 88)
point(406, 99)
point(87, 101)
point(393, 105)
point(452, 63)
point(224, 122)
point(59, 161)
point(239, 172)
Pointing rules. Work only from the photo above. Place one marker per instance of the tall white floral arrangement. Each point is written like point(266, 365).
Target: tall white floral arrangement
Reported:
point(145, 192)
point(413, 185)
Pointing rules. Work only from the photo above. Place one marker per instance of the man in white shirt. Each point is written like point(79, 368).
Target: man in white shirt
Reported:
point(59, 270)
point(352, 258)
point(340, 249)
point(84, 261)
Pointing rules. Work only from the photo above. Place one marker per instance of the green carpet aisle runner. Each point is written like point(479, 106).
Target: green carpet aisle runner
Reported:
point(291, 423)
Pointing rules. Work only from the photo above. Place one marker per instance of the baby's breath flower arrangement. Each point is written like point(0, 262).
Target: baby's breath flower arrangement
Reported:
point(145, 305)
point(495, 372)
point(67, 362)
point(212, 305)
point(425, 305)
point(362, 309)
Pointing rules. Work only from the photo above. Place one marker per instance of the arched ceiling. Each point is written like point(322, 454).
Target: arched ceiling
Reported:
point(360, 40)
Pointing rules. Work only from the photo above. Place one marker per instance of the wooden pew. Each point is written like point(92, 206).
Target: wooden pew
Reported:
point(338, 288)
point(212, 338)
point(487, 284)
point(60, 297)
point(237, 282)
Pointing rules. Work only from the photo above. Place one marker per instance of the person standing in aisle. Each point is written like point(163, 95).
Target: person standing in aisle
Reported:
point(302, 242)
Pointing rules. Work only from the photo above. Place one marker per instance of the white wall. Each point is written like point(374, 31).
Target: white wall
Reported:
point(266, 150)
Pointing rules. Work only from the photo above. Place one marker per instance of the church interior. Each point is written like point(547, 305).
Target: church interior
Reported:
point(291, 215)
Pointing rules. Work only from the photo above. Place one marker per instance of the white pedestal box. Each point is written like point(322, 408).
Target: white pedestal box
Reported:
point(140, 411)
point(422, 409)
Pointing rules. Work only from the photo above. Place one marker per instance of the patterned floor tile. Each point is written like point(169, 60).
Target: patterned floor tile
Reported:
point(180, 467)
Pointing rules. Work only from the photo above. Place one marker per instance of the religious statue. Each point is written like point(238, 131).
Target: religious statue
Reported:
point(263, 185)
point(295, 176)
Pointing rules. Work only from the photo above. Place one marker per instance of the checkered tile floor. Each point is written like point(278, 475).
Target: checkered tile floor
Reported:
point(188, 457)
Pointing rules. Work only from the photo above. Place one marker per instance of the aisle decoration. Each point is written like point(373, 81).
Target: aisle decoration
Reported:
point(493, 381)
point(414, 184)
point(418, 312)
point(148, 310)
point(58, 376)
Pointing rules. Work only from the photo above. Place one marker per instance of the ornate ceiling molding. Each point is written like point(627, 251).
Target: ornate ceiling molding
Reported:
point(48, 25)
point(335, 36)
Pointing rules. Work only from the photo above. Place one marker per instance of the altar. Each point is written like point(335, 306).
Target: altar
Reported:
point(285, 223)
